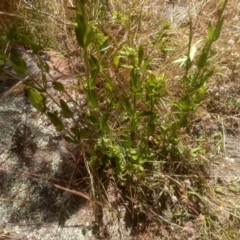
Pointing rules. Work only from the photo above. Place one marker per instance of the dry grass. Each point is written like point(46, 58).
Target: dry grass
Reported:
point(195, 214)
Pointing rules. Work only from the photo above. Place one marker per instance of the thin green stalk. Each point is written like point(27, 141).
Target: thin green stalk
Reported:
point(82, 9)
point(188, 64)
point(87, 66)
point(134, 113)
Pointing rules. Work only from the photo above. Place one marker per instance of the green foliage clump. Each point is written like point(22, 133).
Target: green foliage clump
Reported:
point(123, 128)
point(121, 120)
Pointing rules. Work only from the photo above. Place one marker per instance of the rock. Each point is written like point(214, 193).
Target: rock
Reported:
point(33, 156)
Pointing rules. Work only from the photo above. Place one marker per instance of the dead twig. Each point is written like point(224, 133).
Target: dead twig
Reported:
point(36, 176)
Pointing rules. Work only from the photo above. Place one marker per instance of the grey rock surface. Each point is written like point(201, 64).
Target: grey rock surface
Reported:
point(29, 206)
point(33, 157)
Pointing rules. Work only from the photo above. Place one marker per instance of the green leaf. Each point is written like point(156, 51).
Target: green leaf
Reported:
point(103, 122)
point(195, 151)
point(38, 100)
point(193, 50)
point(91, 97)
point(147, 62)
point(108, 83)
point(141, 168)
point(182, 60)
point(116, 61)
point(66, 112)
point(93, 79)
point(180, 147)
point(88, 36)
point(19, 64)
point(140, 55)
point(41, 107)
point(3, 60)
point(12, 34)
point(94, 64)
point(135, 81)
point(218, 29)
point(56, 121)
point(34, 87)
point(137, 167)
point(192, 54)
point(58, 86)
point(127, 66)
point(93, 120)
point(183, 122)
point(128, 107)
point(210, 31)
point(201, 82)
point(76, 132)
point(80, 29)
point(34, 96)
point(202, 60)
point(108, 86)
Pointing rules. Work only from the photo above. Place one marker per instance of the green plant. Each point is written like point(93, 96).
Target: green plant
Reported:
point(197, 74)
point(131, 109)
point(122, 128)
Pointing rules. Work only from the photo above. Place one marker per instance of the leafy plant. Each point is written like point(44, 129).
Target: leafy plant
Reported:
point(197, 74)
point(135, 110)
point(123, 127)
